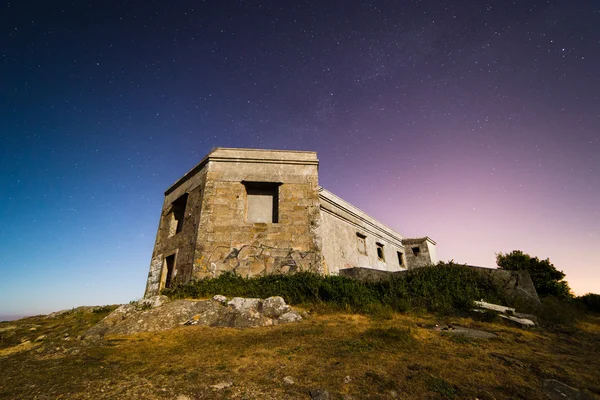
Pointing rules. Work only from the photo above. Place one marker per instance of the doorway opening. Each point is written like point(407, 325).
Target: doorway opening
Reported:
point(170, 265)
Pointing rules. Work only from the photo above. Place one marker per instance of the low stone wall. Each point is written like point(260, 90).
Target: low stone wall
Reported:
point(515, 284)
point(367, 274)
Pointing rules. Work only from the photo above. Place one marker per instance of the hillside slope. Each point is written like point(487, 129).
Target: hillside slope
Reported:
point(350, 356)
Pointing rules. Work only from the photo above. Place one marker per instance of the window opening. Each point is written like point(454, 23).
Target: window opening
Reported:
point(380, 254)
point(416, 251)
point(400, 259)
point(262, 205)
point(361, 243)
point(177, 215)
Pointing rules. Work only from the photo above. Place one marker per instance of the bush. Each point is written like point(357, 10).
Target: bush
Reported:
point(558, 312)
point(446, 288)
point(591, 301)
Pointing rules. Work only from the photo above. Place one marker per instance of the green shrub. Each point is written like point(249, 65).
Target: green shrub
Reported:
point(445, 288)
point(591, 301)
point(559, 312)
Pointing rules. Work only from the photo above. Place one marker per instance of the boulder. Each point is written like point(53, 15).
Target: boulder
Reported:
point(274, 307)
point(319, 394)
point(220, 299)
point(153, 302)
point(291, 316)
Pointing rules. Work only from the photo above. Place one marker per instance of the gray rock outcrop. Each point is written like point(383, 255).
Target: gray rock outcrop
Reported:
point(557, 390)
point(157, 313)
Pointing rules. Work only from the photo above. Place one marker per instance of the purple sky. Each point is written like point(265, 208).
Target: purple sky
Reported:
point(475, 123)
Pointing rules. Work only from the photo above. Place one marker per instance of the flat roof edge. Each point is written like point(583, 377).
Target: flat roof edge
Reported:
point(354, 211)
point(219, 154)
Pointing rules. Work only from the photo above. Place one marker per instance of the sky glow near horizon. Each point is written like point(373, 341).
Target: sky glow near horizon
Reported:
point(477, 124)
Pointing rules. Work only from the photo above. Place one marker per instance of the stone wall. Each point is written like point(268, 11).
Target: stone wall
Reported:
point(420, 252)
point(216, 236)
point(180, 244)
point(351, 238)
point(227, 242)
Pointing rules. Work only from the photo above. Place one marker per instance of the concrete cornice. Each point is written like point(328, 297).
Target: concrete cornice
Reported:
point(243, 155)
point(409, 241)
point(337, 204)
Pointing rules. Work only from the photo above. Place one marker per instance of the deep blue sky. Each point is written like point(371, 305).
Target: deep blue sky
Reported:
point(476, 123)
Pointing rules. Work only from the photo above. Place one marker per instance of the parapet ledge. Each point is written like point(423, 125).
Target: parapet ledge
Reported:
point(225, 154)
point(332, 203)
point(409, 241)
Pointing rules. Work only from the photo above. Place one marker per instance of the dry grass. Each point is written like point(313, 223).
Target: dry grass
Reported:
point(381, 356)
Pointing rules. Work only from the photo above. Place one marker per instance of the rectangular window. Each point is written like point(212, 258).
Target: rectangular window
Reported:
point(400, 259)
point(361, 243)
point(177, 215)
point(170, 268)
point(380, 254)
point(416, 251)
point(262, 205)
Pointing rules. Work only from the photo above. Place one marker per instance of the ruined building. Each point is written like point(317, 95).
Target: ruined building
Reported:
point(259, 212)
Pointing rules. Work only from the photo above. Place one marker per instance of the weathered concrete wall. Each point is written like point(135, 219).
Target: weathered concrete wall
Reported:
point(180, 244)
point(226, 242)
point(341, 223)
point(420, 252)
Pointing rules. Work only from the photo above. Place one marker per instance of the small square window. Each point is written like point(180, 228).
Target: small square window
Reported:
point(361, 243)
point(380, 254)
point(262, 202)
point(416, 251)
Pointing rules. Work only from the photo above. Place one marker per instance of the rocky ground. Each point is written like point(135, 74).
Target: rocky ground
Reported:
point(246, 349)
point(158, 314)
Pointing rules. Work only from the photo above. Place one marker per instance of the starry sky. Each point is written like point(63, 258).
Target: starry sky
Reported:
point(476, 123)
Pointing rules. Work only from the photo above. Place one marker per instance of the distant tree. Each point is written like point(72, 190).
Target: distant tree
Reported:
point(548, 281)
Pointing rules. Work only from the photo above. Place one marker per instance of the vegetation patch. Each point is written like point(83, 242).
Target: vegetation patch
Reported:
point(446, 288)
point(439, 385)
point(390, 337)
point(591, 302)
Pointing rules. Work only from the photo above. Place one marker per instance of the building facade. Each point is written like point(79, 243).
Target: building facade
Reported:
point(256, 212)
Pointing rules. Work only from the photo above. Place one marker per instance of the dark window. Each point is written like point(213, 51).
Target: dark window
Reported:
point(361, 243)
point(177, 215)
point(170, 264)
point(416, 251)
point(400, 259)
point(380, 254)
point(262, 204)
